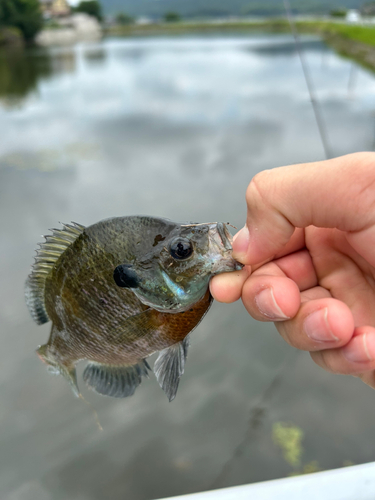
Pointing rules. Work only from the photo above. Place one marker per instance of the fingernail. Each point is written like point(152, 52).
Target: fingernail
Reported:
point(360, 349)
point(241, 243)
point(316, 326)
point(267, 305)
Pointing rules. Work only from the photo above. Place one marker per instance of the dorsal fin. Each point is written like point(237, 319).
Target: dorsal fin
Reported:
point(46, 257)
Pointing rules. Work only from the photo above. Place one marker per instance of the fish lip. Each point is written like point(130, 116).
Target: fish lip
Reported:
point(221, 241)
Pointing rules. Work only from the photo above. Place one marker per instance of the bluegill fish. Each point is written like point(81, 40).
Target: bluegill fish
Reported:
point(120, 290)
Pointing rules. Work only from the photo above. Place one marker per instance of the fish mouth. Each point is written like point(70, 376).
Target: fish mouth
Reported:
point(221, 246)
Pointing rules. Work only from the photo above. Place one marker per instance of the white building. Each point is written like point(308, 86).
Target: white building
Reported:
point(54, 8)
point(353, 16)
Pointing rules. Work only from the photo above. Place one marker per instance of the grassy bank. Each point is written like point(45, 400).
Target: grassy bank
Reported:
point(362, 34)
point(274, 25)
point(353, 41)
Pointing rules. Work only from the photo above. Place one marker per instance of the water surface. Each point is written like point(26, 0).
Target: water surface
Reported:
point(174, 127)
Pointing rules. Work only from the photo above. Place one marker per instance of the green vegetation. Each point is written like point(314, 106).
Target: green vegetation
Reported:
point(24, 15)
point(362, 34)
point(273, 25)
point(338, 13)
point(124, 19)
point(90, 7)
point(20, 71)
point(289, 438)
point(353, 41)
point(172, 17)
point(10, 37)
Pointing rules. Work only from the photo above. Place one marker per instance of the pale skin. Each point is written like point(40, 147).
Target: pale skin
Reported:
point(309, 249)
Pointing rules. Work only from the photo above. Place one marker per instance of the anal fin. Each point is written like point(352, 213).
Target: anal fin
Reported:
point(115, 381)
point(57, 368)
point(170, 365)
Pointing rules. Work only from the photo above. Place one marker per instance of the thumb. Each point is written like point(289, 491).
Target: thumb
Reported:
point(337, 193)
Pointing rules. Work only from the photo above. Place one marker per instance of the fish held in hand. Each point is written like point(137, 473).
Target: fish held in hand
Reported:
point(120, 290)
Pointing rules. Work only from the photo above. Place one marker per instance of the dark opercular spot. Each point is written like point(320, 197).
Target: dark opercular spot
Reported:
point(157, 239)
point(181, 248)
point(125, 277)
point(191, 310)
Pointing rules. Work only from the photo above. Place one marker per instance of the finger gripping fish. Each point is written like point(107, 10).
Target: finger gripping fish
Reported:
point(120, 290)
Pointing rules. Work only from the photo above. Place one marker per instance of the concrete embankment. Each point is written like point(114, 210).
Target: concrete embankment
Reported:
point(356, 41)
point(360, 52)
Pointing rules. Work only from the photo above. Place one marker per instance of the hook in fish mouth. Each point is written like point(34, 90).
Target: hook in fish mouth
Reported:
point(221, 244)
point(225, 235)
point(221, 240)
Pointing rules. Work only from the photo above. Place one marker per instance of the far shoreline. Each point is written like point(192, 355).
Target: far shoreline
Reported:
point(354, 41)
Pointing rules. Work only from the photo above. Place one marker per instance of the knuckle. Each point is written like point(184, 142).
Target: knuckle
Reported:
point(286, 330)
point(324, 359)
point(257, 188)
point(328, 361)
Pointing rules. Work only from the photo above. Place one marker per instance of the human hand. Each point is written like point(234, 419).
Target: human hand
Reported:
point(310, 241)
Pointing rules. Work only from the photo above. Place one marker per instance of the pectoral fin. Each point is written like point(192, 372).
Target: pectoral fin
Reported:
point(169, 367)
point(115, 381)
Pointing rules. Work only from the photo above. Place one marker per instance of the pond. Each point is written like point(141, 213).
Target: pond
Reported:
point(171, 127)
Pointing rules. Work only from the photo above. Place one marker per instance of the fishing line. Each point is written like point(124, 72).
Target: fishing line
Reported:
point(309, 84)
point(352, 80)
point(256, 415)
point(258, 410)
point(96, 416)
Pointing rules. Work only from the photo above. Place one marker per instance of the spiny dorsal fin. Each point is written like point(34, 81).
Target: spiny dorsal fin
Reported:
point(46, 257)
point(170, 365)
point(115, 381)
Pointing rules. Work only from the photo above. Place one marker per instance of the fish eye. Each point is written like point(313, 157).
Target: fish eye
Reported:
point(181, 248)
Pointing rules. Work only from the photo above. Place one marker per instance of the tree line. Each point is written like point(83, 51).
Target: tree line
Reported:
point(22, 15)
point(26, 18)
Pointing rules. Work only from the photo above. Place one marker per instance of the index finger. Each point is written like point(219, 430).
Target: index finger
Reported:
point(337, 193)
